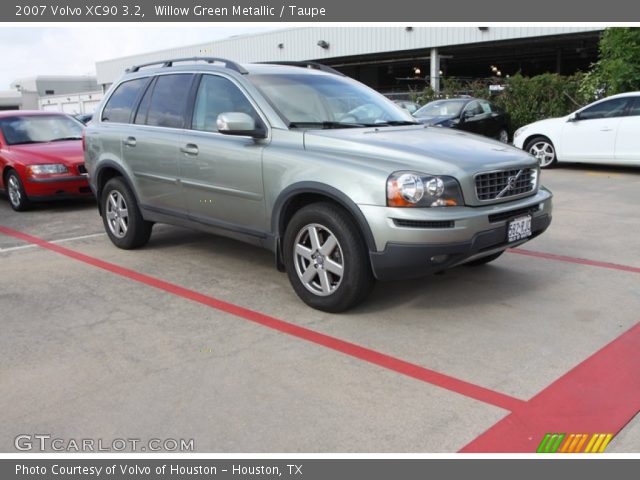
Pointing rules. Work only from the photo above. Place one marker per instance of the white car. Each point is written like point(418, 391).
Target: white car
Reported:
point(606, 131)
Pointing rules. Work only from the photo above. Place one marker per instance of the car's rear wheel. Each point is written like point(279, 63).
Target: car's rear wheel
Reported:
point(503, 135)
point(326, 259)
point(121, 216)
point(15, 191)
point(484, 260)
point(542, 148)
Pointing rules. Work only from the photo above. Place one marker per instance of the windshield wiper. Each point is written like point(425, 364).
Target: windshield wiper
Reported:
point(325, 125)
point(65, 138)
point(393, 123)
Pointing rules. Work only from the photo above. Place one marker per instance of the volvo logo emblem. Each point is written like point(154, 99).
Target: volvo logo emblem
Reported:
point(511, 184)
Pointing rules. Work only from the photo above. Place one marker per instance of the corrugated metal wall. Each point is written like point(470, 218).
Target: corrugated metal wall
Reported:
point(301, 44)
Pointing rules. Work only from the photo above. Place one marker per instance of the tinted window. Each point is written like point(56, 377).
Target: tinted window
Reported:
point(169, 101)
point(608, 109)
point(635, 108)
point(118, 108)
point(217, 95)
point(143, 108)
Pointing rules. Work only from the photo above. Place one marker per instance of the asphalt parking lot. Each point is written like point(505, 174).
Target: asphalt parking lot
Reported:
point(199, 337)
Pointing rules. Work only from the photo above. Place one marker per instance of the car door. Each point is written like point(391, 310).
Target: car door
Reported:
point(152, 144)
point(222, 174)
point(591, 135)
point(627, 151)
point(474, 118)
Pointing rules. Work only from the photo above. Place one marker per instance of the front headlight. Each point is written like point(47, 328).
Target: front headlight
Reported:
point(51, 169)
point(519, 132)
point(412, 189)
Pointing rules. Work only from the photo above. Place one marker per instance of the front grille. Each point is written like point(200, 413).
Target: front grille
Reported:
point(505, 183)
point(82, 169)
point(500, 217)
point(423, 223)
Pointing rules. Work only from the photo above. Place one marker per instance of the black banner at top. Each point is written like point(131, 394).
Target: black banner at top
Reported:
point(312, 11)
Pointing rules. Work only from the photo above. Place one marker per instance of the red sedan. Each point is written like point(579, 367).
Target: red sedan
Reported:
point(41, 157)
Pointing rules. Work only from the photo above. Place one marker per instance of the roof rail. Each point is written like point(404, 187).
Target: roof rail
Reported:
point(169, 63)
point(312, 65)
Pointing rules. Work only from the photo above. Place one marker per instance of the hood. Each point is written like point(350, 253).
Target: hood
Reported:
point(432, 150)
point(66, 152)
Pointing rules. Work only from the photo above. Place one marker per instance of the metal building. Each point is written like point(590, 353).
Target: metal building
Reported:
point(391, 58)
point(34, 89)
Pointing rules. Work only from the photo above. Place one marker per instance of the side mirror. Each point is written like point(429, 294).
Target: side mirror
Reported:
point(238, 123)
point(575, 117)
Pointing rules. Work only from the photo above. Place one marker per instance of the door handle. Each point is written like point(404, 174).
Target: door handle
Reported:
point(606, 129)
point(130, 141)
point(190, 149)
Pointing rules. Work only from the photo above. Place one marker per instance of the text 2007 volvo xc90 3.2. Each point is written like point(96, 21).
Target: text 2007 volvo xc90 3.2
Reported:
point(340, 183)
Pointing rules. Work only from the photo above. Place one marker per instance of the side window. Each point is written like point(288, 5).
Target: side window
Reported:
point(143, 108)
point(486, 106)
point(608, 109)
point(121, 103)
point(472, 109)
point(169, 101)
point(634, 111)
point(217, 95)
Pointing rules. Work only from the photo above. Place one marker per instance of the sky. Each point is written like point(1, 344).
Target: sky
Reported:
point(31, 51)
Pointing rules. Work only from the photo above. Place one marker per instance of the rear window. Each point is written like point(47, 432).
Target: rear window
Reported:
point(121, 103)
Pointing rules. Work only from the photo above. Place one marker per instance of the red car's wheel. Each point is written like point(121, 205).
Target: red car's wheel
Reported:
point(15, 191)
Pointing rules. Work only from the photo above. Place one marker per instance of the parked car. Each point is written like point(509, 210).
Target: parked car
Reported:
point(469, 114)
point(410, 107)
point(41, 157)
point(268, 155)
point(606, 131)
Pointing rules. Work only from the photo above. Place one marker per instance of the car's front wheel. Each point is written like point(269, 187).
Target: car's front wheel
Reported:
point(543, 150)
point(15, 191)
point(326, 258)
point(121, 216)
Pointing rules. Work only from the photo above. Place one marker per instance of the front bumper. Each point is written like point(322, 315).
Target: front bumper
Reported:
point(41, 189)
point(417, 242)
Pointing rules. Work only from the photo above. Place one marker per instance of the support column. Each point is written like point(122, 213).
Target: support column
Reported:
point(434, 70)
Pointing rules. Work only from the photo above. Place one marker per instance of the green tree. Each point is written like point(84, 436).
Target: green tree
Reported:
point(618, 67)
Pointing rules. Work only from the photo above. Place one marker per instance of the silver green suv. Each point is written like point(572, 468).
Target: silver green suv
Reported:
point(339, 182)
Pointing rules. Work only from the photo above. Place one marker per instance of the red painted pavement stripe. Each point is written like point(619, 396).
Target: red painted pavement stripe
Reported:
point(600, 395)
point(580, 261)
point(371, 356)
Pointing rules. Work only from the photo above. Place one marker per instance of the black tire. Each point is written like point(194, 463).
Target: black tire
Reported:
point(338, 292)
point(503, 135)
point(15, 192)
point(537, 146)
point(484, 260)
point(134, 231)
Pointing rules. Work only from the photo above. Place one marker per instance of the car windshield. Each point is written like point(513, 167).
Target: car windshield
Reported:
point(441, 108)
point(327, 101)
point(39, 129)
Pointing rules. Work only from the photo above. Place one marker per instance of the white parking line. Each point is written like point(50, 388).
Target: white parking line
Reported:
point(62, 240)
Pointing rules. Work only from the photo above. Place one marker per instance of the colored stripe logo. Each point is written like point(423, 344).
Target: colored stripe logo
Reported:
point(574, 443)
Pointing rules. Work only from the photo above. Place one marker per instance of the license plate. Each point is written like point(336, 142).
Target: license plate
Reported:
point(519, 228)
